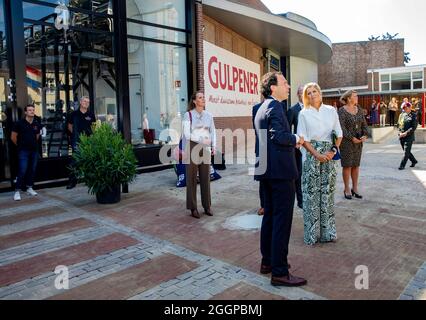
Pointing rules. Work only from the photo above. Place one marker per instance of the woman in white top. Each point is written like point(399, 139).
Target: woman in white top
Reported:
point(200, 134)
point(318, 123)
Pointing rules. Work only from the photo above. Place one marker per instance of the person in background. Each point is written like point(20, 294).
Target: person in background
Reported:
point(407, 126)
point(373, 113)
point(25, 135)
point(318, 123)
point(79, 121)
point(200, 134)
point(293, 117)
point(383, 109)
point(355, 134)
point(393, 108)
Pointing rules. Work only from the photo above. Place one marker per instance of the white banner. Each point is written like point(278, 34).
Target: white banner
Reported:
point(232, 83)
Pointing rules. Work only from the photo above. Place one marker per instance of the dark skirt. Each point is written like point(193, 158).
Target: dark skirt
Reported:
point(350, 153)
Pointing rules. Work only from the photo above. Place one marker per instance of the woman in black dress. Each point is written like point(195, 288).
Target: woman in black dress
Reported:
point(355, 134)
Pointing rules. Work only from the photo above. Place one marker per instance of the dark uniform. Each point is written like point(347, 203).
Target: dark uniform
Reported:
point(81, 123)
point(28, 134)
point(409, 126)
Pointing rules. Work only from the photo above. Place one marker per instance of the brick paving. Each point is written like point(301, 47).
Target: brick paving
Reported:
point(148, 247)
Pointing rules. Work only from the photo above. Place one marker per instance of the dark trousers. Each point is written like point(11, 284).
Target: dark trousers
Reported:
point(72, 179)
point(261, 194)
point(299, 180)
point(27, 161)
point(276, 224)
point(203, 169)
point(406, 146)
point(392, 117)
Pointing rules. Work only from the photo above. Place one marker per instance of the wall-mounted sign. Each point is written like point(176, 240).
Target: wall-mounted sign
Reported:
point(231, 82)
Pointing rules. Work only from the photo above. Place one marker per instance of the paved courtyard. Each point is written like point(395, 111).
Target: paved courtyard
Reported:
point(148, 247)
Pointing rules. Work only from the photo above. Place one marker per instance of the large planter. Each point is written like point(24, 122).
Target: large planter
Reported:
point(109, 196)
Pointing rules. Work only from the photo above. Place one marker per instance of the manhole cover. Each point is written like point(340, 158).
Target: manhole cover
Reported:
point(243, 222)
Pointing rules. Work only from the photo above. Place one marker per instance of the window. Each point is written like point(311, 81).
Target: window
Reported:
point(158, 88)
point(385, 82)
point(417, 80)
point(162, 12)
point(62, 66)
point(401, 81)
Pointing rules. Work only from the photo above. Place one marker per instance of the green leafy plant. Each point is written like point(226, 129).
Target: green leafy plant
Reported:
point(104, 160)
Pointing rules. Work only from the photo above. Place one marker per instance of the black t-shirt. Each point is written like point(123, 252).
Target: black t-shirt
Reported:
point(82, 123)
point(27, 134)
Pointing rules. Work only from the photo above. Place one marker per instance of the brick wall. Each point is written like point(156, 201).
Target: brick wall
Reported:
point(350, 61)
point(199, 45)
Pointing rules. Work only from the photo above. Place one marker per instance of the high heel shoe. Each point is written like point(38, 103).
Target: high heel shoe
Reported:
point(349, 197)
point(358, 196)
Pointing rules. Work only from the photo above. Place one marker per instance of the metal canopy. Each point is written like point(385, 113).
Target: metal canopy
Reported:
point(286, 37)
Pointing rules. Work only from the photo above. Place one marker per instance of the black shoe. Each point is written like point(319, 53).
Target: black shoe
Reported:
point(195, 214)
point(71, 185)
point(358, 196)
point(349, 197)
point(413, 164)
point(401, 168)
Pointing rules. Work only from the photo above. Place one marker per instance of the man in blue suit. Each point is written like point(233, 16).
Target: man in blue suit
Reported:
point(276, 168)
point(293, 116)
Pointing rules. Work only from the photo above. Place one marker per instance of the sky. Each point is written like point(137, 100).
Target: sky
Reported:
point(346, 21)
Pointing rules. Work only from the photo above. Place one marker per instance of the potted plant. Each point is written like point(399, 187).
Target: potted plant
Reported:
point(104, 161)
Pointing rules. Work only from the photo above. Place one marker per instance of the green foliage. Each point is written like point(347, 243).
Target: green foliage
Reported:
point(104, 160)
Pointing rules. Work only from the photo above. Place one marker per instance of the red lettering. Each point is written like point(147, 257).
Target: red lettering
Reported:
point(231, 78)
point(214, 83)
point(240, 78)
point(222, 76)
point(256, 83)
point(246, 82)
point(234, 77)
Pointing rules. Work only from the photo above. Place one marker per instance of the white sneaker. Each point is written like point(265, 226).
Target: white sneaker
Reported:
point(17, 196)
point(31, 192)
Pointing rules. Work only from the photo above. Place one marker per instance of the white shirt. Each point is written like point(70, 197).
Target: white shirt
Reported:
point(318, 125)
point(202, 127)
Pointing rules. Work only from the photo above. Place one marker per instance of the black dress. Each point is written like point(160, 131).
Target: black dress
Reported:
point(352, 126)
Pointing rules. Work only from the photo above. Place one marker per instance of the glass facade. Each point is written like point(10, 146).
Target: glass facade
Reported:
point(65, 63)
point(158, 86)
point(5, 111)
point(73, 49)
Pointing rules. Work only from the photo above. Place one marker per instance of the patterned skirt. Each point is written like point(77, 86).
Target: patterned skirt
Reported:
point(318, 187)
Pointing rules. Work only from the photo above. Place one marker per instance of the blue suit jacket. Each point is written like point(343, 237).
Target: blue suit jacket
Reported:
point(276, 143)
point(253, 116)
point(293, 116)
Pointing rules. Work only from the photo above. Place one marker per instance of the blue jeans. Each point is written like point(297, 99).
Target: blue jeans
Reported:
point(27, 167)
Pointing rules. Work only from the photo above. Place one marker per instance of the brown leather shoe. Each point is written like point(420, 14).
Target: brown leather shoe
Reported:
point(264, 269)
point(195, 214)
point(208, 212)
point(288, 281)
point(261, 212)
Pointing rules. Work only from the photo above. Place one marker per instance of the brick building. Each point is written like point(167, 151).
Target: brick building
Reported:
point(350, 62)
